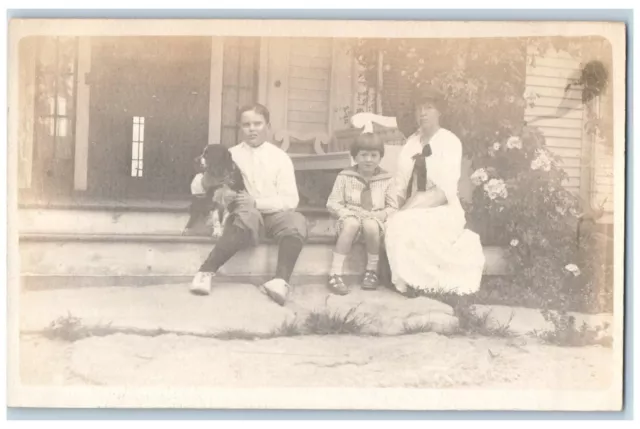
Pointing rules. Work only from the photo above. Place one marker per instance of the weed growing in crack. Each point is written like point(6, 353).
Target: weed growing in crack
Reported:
point(67, 328)
point(416, 328)
point(288, 328)
point(333, 323)
point(566, 333)
point(470, 323)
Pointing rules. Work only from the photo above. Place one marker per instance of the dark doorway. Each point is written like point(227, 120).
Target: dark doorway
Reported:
point(149, 114)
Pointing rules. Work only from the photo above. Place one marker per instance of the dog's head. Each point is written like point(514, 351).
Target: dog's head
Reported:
point(215, 161)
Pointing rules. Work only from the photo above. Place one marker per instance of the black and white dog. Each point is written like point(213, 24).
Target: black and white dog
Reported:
point(216, 183)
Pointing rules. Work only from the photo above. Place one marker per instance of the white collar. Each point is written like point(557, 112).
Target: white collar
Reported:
point(254, 149)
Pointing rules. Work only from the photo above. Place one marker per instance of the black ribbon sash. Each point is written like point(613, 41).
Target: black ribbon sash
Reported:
point(420, 170)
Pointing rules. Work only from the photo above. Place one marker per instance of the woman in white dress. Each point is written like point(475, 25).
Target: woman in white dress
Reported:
point(427, 245)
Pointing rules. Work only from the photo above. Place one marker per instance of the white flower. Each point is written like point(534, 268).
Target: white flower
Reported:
point(541, 161)
point(415, 74)
point(403, 72)
point(514, 242)
point(479, 176)
point(561, 210)
point(421, 61)
point(496, 146)
point(573, 269)
point(514, 142)
point(495, 188)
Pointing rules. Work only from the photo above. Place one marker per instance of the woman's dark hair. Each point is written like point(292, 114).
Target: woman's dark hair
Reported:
point(367, 141)
point(255, 107)
point(428, 95)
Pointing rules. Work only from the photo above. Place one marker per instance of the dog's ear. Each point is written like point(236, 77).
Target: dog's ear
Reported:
point(201, 161)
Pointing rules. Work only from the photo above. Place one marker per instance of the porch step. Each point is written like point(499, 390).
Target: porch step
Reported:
point(140, 219)
point(174, 256)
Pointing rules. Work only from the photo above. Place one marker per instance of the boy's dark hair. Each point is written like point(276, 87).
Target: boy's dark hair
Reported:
point(256, 107)
point(367, 141)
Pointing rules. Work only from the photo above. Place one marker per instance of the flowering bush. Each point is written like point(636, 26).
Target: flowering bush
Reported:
point(519, 200)
point(519, 197)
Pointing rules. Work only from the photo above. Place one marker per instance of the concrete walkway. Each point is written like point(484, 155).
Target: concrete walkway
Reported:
point(229, 308)
point(132, 352)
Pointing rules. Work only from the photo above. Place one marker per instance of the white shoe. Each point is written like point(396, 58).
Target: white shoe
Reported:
point(278, 290)
point(201, 284)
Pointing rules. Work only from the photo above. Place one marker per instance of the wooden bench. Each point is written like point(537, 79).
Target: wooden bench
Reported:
point(308, 151)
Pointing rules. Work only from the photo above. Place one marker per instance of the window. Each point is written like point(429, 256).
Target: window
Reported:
point(137, 147)
point(55, 96)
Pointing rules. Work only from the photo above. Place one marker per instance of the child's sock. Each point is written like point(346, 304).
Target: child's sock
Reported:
point(372, 262)
point(337, 263)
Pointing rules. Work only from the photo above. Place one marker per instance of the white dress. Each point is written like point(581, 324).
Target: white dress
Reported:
point(429, 247)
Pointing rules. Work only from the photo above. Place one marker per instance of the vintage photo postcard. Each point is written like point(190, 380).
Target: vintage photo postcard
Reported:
point(311, 214)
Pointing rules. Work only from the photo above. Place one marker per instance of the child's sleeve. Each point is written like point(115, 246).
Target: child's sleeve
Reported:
point(196, 185)
point(336, 200)
point(390, 199)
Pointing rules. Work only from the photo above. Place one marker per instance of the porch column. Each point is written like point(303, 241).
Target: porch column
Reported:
point(215, 90)
point(342, 89)
point(81, 158)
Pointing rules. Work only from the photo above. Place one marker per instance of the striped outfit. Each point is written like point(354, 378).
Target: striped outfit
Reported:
point(350, 196)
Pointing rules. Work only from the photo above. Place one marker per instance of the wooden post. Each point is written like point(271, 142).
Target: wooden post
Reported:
point(215, 90)
point(342, 69)
point(379, 83)
point(81, 158)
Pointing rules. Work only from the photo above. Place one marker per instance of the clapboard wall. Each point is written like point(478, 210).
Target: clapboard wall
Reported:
point(561, 116)
point(310, 65)
point(558, 114)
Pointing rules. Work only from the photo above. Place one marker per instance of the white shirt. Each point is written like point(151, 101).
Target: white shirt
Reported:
point(443, 167)
point(268, 176)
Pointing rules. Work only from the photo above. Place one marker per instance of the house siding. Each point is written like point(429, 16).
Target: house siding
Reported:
point(547, 77)
point(601, 192)
point(308, 98)
point(589, 165)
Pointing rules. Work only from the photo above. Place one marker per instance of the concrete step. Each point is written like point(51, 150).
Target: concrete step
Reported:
point(96, 243)
point(140, 219)
point(155, 255)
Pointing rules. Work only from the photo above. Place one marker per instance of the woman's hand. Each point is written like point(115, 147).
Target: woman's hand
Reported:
point(379, 215)
point(434, 197)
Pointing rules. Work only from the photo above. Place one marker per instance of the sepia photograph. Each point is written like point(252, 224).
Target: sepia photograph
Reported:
point(265, 214)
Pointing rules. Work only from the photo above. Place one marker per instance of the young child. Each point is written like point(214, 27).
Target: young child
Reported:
point(362, 199)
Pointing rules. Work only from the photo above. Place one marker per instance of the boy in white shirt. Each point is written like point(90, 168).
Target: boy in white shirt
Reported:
point(268, 205)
